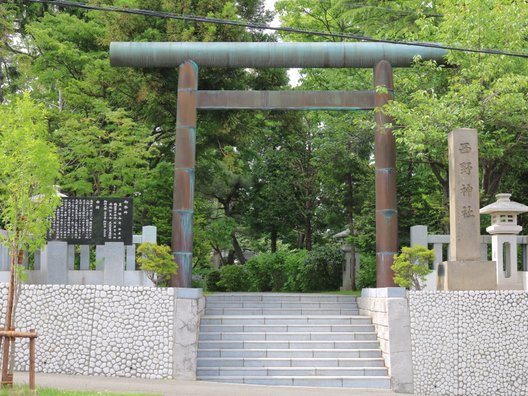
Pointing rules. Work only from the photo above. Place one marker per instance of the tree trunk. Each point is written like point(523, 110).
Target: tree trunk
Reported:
point(230, 257)
point(8, 323)
point(274, 236)
point(308, 233)
point(1, 82)
point(238, 250)
point(349, 199)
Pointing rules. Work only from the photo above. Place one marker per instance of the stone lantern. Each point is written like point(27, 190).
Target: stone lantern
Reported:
point(504, 230)
point(351, 261)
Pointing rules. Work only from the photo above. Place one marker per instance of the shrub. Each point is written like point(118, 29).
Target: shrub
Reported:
point(266, 272)
point(411, 266)
point(157, 261)
point(366, 274)
point(234, 278)
point(293, 266)
point(211, 282)
point(323, 269)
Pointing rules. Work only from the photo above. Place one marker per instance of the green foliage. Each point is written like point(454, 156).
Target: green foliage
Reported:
point(293, 264)
point(411, 266)
point(157, 261)
point(28, 173)
point(212, 280)
point(234, 278)
point(280, 271)
point(366, 274)
point(266, 271)
point(323, 269)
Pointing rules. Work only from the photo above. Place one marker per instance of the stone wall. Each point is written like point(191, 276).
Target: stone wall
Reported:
point(110, 330)
point(470, 342)
point(389, 311)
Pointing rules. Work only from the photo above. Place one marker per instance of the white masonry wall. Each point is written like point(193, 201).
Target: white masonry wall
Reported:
point(110, 330)
point(389, 310)
point(470, 342)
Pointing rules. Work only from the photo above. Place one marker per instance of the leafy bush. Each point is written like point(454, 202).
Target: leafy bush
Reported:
point(234, 278)
point(266, 272)
point(411, 266)
point(157, 261)
point(366, 274)
point(293, 265)
point(211, 282)
point(323, 269)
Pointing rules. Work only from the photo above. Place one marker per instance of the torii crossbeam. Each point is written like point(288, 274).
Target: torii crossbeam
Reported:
point(188, 55)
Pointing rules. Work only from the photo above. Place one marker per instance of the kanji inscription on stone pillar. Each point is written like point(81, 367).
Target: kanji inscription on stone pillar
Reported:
point(464, 195)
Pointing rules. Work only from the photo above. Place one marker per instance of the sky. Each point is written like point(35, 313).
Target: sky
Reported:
point(293, 74)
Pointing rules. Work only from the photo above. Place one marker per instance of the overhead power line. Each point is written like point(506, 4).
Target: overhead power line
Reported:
point(218, 21)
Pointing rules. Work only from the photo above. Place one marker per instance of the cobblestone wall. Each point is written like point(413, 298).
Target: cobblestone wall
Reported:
point(469, 343)
point(108, 330)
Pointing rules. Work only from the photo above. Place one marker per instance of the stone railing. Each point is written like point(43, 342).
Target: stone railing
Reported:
point(113, 263)
point(440, 245)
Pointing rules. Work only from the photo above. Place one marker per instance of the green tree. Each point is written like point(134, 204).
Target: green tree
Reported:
point(157, 261)
point(411, 266)
point(30, 168)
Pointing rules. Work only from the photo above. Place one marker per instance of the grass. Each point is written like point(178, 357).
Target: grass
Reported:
point(18, 390)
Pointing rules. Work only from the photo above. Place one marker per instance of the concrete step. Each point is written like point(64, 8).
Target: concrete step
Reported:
point(291, 371)
point(284, 305)
point(281, 311)
point(291, 362)
point(285, 344)
point(289, 340)
point(277, 297)
point(294, 328)
point(311, 381)
point(287, 336)
point(289, 353)
point(285, 320)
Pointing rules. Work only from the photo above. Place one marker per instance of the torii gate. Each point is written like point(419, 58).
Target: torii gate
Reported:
point(188, 55)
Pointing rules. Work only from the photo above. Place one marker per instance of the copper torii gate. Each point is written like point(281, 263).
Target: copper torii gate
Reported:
point(189, 55)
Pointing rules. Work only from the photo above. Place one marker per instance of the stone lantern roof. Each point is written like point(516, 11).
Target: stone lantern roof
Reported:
point(504, 205)
point(504, 215)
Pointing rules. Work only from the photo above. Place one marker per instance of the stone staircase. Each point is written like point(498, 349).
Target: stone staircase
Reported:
point(289, 340)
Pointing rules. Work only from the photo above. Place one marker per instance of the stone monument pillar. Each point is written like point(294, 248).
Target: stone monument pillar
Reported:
point(465, 270)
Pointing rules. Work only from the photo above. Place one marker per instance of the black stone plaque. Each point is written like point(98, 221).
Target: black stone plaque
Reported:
point(92, 221)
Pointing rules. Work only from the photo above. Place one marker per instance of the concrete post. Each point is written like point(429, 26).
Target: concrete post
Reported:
point(55, 263)
point(85, 257)
point(4, 255)
point(71, 257)
point(419, 236)
point(130, 258)
point(37, 259)
point(99, 258)
point(114, 256)
point(149, 234)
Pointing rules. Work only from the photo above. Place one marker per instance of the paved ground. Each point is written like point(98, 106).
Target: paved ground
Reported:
point(180, 388)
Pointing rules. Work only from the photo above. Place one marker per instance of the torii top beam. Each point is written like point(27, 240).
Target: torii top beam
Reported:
point(267, 55)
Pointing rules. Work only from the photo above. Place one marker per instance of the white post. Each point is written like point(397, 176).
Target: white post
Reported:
point(150, 234)
point(419, 235)
point(55, 262)
point(85, 257)
point(114, 257)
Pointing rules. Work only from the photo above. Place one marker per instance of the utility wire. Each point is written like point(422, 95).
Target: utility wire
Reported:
point(395, 10)
point(219, 21)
